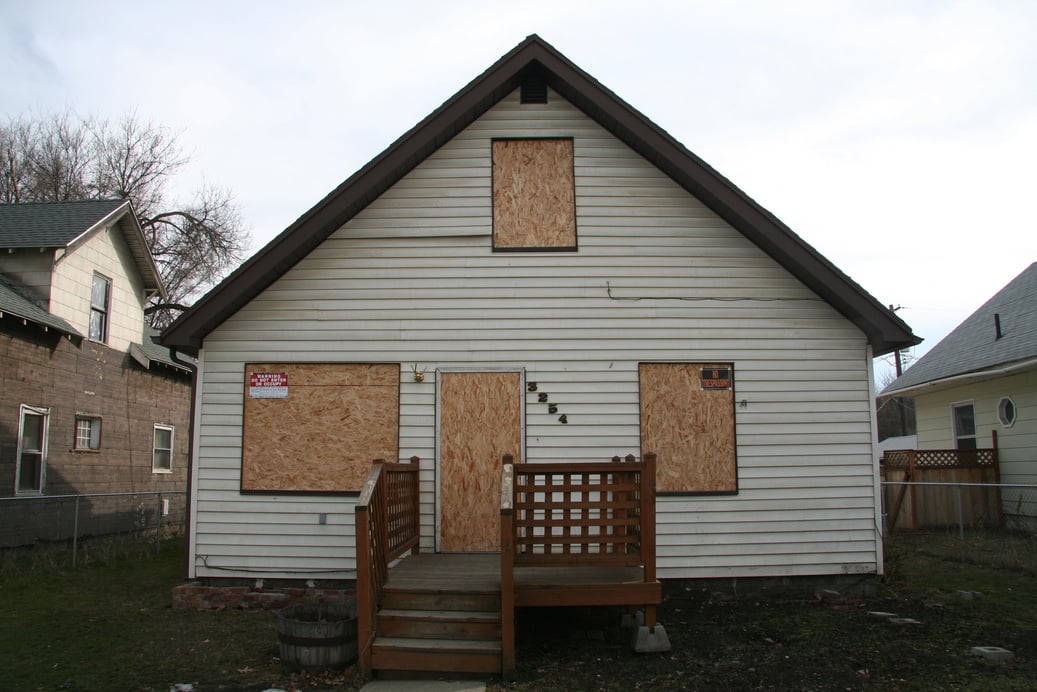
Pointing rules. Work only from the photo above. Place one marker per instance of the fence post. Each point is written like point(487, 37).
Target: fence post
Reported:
point(914, 496)
point(961, 521)
point(75, 532)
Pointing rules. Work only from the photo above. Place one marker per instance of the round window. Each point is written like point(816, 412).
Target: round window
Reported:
point(1006, 411)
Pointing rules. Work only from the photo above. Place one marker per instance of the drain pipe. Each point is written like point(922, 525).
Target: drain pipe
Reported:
point(190, 367)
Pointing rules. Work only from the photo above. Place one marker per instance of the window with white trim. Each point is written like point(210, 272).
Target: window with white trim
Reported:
point(88, 432)
point(100, 306)
point(1006, 411)
point(964, 426)
point(162, 456)
point(31, 467)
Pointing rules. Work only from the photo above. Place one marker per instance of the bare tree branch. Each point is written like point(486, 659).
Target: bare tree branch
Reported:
point(63, 157)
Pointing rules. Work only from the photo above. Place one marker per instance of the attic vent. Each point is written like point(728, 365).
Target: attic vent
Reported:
point(534, 90)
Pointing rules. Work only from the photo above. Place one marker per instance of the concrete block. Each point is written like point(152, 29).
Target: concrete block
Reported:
point(649, 640)
point(992, 653)
point(632, 620)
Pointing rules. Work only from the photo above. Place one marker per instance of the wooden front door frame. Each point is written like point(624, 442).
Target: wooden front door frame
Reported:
point(520, 453)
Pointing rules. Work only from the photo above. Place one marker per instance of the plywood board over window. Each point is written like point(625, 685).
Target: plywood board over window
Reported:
point(534, 195)
point(688, 420)
point(316, 427)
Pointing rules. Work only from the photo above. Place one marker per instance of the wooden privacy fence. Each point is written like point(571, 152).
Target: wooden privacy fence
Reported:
point(387, 527)
point(576, 534)
point(911, 504)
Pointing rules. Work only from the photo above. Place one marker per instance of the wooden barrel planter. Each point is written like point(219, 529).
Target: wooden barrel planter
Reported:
point(316, 636)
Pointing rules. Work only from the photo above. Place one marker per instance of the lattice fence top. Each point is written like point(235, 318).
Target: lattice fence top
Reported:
point(940, 458)
point(578, 513)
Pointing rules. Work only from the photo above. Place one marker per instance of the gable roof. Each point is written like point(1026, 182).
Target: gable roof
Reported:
point(53, 225)
point(535, 59)
point(973, 348)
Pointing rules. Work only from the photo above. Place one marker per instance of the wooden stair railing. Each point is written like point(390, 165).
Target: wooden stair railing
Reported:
point(387, 527)
point(575, 514)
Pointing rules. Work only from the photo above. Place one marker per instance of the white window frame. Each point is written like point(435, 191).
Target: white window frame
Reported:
point(155, 449)
point(1002, 412)
point(44, 412)
point(105, 311)
point(954, 425)
point(92, 441)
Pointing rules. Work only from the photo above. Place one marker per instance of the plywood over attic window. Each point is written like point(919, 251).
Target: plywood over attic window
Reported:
point(688, 420)
point(534, 195)
point(316, 427)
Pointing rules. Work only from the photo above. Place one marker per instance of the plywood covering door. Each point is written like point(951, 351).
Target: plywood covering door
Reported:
point(480, 420)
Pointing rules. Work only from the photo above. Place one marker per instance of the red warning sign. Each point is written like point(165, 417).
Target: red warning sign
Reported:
point(268, 385)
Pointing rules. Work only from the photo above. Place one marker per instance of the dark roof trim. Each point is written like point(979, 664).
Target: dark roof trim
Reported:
point(534, 57)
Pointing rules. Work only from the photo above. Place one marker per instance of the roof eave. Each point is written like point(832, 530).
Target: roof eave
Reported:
point(55, 324)
point(1000, 370)
point(885, 332)
point(341, 204)
point(136, 241)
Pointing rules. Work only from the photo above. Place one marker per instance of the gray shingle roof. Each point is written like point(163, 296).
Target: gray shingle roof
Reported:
point(973, 346)
point(148, 352)
point(14, 301)
point(51, 224)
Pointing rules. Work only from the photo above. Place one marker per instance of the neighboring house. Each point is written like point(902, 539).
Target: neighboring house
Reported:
point(537, 269)
point(88, 403)
point(979, 382)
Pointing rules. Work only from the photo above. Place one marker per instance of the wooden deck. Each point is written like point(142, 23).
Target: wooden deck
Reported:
point(572, 534)
point(447, 572)
point(481, 572)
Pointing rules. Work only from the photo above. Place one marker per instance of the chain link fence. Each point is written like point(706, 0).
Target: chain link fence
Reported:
point(984, 523)
point(44, 522)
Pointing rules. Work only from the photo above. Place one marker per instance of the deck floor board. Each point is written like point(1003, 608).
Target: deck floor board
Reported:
point(481, 572)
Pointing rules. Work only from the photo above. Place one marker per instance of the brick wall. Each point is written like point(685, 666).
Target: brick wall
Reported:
point(45, 369)
point(215, 594)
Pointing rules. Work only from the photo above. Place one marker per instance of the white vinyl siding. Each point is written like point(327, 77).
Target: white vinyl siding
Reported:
point(1017, 445)
point(413, 279)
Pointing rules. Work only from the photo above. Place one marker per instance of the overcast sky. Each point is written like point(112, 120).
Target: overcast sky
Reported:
point(898, 138)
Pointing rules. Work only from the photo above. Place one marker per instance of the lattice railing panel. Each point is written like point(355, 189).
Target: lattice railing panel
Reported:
point(579, 513)
point(940, 458)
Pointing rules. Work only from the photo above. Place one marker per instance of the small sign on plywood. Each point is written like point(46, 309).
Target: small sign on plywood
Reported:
point(268, 385)
point(716, 378)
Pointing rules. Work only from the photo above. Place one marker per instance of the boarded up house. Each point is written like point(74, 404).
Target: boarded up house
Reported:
point(537, 269)
point(88, 403)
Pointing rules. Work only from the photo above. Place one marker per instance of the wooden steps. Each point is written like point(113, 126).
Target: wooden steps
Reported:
point(425, 625)
point(440, 624)
point(436, 655)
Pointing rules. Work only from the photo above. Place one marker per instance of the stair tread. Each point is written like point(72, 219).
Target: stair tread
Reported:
point(478, 645)
point(469, 615)
point(441, 590)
